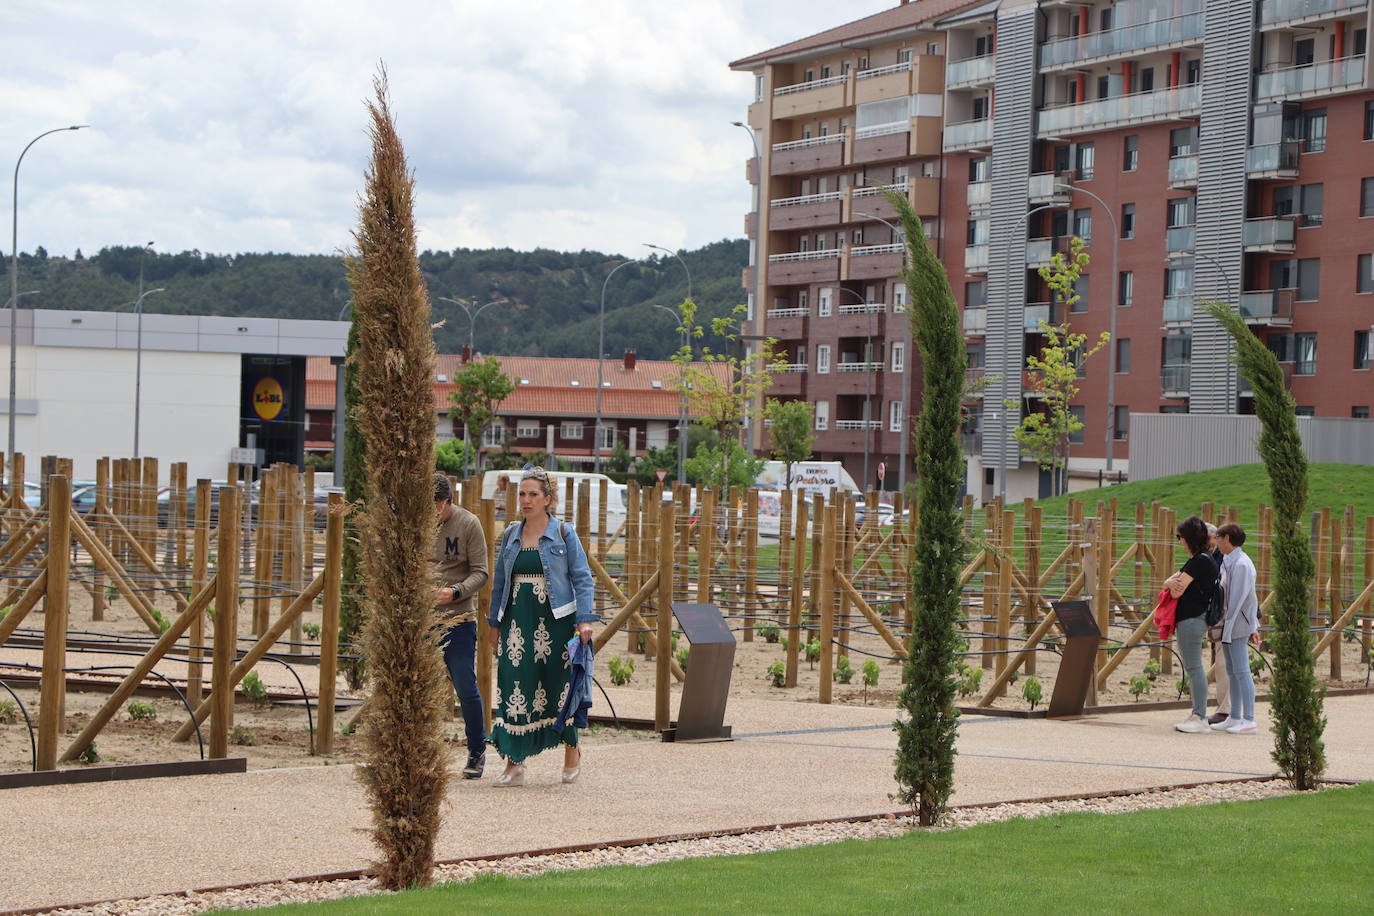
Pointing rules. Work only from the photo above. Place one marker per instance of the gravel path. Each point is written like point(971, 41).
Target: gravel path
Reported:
point(743, 844)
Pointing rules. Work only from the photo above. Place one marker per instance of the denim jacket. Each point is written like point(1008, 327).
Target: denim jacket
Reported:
point(566, 571)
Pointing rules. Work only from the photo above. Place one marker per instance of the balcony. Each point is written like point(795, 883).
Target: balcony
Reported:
point(1039, 252)
point(877, 366)
point(794, 367)
point(975, 321)
point(1178, 310)
point(805, 212)
point(979, 195)
point(1045, 188)
point(1136, 108)
point(976, 259)
point(788, 313)
point(1176, 381)
point(1273, 12)
point(805, 266)
point(1179, 241)
point(858, 424)
point(971, 71)
point(1273, 160)
point(1275, 235)
point(1131, 39)
point(807, 155)
point(971, 443)
point(811, 97)
point(869, 262)
point(863, 308)
point(1183, 172)
point(974, 383)
point(1273, 307)
point(965, 135)
point(1037, 313)
point(882, 141)
point(1344, 73)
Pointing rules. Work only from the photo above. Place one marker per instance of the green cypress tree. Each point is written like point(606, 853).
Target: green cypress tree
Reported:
point(925, 735)
point(1295, 697)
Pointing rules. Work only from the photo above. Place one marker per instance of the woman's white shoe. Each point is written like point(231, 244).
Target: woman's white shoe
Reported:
point(511, 778)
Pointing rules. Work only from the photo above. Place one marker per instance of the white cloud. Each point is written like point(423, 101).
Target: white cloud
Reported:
point(240, 127)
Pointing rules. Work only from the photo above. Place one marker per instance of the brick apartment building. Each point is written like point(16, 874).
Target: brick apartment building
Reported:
point(1212, 150)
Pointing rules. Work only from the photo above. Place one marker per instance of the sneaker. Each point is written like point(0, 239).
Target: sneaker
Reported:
point(1243, 727)
point(477, 760)
point(1193, 725)
point(1216, 717)
point(1222, 724)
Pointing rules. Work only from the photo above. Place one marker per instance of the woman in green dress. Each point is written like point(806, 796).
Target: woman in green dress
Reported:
point(541, 599)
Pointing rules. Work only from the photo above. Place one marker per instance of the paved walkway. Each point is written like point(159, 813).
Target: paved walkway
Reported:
point(790, 762)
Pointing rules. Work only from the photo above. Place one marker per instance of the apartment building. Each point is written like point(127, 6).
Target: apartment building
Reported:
point(1205, 150)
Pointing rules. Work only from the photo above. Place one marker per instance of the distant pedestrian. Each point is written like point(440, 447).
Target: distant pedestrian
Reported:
point(1239, 627)
point(1222, 711)
point(1191, 585)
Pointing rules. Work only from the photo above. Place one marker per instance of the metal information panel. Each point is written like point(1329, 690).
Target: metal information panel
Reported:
point(1081, 637)
point(710, 664)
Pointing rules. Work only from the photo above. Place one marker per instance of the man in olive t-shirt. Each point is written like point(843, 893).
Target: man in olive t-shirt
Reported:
point(460, 568)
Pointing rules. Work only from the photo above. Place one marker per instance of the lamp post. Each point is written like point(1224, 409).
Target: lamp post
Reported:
point(138, 347)
point(14, 275)
point(868, 382)
point(755, 250)
point(905, 433)
point(601, 363)
point(687, 345)
point(472, 310)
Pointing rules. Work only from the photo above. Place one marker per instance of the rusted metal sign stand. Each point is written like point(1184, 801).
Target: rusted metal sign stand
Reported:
point(711, 661)
point(1081, 636)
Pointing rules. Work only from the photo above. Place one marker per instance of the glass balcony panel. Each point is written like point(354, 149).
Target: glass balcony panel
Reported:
point(1044, 186)
point(1130, 38)
point(1138, 106)
point(980, 194)
point(1176, 378)
point(976, 258)
point(1179, 238)
point(1178, 309)
point(1268, 306)
point(1327, 74)
point(1282, 10)
point(975, 321)
point(1033, 315)
point(968, 133)
point(1276, 231)
point(970, 70)
point(1039, 252)
point(1273, 157)
point(1183, 170)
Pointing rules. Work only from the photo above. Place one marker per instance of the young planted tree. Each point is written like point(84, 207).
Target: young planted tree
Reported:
point(722, 401)
point(478, 388)
point(1054, 372)
point(791, 432)
point(1295, 696)
point(926, 731)
point(406, 762)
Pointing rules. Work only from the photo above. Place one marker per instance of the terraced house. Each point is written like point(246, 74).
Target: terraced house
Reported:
point(1219, 150)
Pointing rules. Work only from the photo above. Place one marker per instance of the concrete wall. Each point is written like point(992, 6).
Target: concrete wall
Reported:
point(1164, 444)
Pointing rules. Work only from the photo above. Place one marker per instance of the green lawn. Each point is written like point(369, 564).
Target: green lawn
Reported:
point(1297, 853)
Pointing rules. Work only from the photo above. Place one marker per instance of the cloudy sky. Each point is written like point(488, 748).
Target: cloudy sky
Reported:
point(238, 125)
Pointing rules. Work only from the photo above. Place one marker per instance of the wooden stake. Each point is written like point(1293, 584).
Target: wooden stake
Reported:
point(200, 575)
point(794, 597)
point(329, 623)
point(226, 622)
point(825, 602)
point(663, 671)
point(53, 689)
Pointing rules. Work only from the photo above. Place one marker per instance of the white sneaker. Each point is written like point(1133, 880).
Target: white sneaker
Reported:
point(1243, 727)
point(1224, 724)
point(1193, 725)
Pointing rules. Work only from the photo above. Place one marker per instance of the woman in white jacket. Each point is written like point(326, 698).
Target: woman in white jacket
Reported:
point(1239, 626)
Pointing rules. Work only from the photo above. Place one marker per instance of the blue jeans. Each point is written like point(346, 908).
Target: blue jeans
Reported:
point(1192, 635)
point(460, 657)
point(1242, 684)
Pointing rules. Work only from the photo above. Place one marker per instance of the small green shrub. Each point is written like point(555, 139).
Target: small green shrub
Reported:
point(777, 674)
point(9, 712)
point(1152, 669)
point(622, 669)
point(782, 641)
point(253, 687)
point(1031, 691)
point(1256, 664)
point(968, 684)
point(1181, 685)
point(1140, 684)
point(242, 736)
point(141, 711)
point(813, 652)
point(769, 632)
point(311, 630)
point(844, 671)
point(871, 673)
point(90, 754)
point(681, 656)
point(163, 624)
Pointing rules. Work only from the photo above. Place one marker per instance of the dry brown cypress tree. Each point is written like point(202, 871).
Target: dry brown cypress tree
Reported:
point(406, 767)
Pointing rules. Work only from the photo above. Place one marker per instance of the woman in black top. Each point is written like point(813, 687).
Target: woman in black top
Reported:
point(1191, 585)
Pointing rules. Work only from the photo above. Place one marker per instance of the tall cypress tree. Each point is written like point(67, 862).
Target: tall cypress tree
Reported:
point(1295, 697)
point(925, 735)
point(406, 763)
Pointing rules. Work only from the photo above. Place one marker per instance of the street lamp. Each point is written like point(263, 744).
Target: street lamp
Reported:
point(756, 249)
point(14, 275)
point(679, 260)
point(868, 382)
point(687, 347)
point(898, 236)
point(601, 363)
point(472, 310)
point(138, 359)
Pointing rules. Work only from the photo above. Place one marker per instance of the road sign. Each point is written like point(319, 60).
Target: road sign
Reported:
point(882, 470)
point(662, 474)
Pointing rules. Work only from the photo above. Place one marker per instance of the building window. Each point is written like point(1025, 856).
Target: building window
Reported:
point(1305, 201)
point(1123, 355)
point(1128, 221)
point(894, 416)
point(1305, 354)
point(494, 436)
point(570, 431)
point(1364, 273)
point(974, 354)
point(863, 63)
point(1302, 274)
point(899, 298)
point(978, 231)
point(758, 87)
point(1147, 79)
point(528, 429)
point(1304, 411)
point(1364, 349)
point(1083, 160)
point(822, 414)
point(858, 237)
point(904, 56)
point(977, 169)
point(804, 300)
point(1367, 196)
point(825, 72)
point(1079, 413)
point(1125, 288)
point(1182, 142)
point(1080, 295)
point(810, 76)
point(1121, 422)
point(606, 436)
point(1359, 413)
point(822, 360)
point(824, 305)
point(1369, 120)
point(976, 294)
point(1130, 153)
point(1182, 211)
point(1312, 130)
point(899, 357)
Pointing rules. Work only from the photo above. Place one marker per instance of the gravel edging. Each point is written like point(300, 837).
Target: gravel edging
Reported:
point(272, 894)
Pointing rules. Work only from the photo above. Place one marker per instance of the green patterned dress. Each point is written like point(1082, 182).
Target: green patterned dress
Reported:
point(532, 666)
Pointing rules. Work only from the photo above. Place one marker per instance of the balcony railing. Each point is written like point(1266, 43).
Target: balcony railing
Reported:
point(858, 424)
point(808, 142)
point(1044, 187)
point(1274, 160)
point(864, 308)
point(980, 194)
point(813, 84)
point(860, 367)
point(788, 313)
point(1033, 315)
point(883, 71)
point(794, 367)
point(1317, 77)
point(1277, 234)
point(1178, 309)
point(807, 199)
point(860, 251)
point(1179, 239)
point(970, 70)
point(1272, 11)
point(1176, 380)
point(976, 258)
point(968, 133)
point(875, 190)
point(1127, 39)
point(1268, 306)
point(1138, 106)
point(972, 443)
point(819, 254)
point(1183, 171)
point(975, 321)
point(1039, 252)
point(882, 130)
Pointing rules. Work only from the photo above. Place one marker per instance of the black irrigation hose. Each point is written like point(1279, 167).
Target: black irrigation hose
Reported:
point(309, 719)
point(33, 742)
point(614, 718)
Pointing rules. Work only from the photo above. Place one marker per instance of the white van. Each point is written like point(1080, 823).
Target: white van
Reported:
point(495, 483)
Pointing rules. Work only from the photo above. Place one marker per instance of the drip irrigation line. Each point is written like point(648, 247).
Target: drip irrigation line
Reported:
point(33, 742)
point(309, 719)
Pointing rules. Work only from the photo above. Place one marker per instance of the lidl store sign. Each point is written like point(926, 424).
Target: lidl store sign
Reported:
point(268, 398)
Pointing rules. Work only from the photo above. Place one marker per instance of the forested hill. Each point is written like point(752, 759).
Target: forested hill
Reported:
point(554, 295)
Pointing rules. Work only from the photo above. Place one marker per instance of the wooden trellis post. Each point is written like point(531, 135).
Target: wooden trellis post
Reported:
point(329, 623)
point(662, 668)
point(706, 544)
point(200, 575)
point(825, 600)
point(53, 688)
point(794, 597)
point(226, 623)
point(751, 555)
point(633, 577)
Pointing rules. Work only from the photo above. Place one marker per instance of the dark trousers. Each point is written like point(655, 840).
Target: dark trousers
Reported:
point(460, 656)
